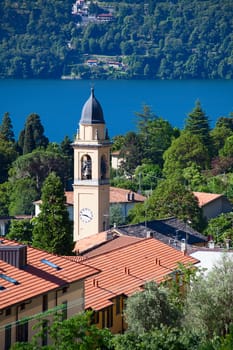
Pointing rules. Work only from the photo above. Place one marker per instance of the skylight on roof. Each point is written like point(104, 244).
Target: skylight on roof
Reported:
point(51, 264)
point(2, 288)
point(8, 279)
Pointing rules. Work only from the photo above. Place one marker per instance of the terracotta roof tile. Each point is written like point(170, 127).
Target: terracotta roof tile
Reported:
point(205, 198)
point(37, 277)
point(127, 269)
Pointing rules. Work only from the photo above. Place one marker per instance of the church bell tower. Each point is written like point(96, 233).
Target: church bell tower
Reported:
point(91, 172)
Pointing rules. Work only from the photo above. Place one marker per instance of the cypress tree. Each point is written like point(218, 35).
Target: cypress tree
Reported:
point(32, 136)
point(52, 229)
point(198, 124)
point(6, 128)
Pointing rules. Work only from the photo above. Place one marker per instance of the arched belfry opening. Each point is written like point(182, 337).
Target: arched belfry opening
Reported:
point(103, 167)
point(86, 167)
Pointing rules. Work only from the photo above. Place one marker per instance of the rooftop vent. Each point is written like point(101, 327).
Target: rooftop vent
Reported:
point(14, 255)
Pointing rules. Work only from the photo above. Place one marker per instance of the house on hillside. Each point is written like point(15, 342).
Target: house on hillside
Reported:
point(126, 264)
point(212, 204)
point(33, 282)
point(116, 160)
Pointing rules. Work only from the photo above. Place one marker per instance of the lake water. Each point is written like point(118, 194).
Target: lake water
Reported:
point(59, 102)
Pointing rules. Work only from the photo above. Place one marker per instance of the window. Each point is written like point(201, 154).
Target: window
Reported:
point(7, 337)
point(103, 167)
point(22, 306)
point(64, 310)
point(45, 303)
point(64, 290)
point(45, 332)
point(86, 168)
point(95, 317)
point(109, 317)
point(8, 311)
point(103, 319)
point(118, 305)
point(22, 331)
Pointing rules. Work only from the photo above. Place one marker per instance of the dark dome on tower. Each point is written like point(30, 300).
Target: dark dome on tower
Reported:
point(92, 112)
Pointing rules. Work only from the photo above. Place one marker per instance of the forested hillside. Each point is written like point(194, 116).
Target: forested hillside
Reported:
point(151, 39)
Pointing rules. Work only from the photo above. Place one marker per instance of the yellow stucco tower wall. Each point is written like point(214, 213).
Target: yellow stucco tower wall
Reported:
point(91, 172)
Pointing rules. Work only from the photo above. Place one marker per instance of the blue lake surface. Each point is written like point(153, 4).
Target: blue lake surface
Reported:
point(59, 102)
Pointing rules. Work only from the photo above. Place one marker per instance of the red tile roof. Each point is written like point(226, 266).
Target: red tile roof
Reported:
point(205, 198)
point(120, 195)
point(127, 269)
point(38, 278)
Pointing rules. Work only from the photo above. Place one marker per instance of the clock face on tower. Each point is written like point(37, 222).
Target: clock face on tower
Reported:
point(86, 215)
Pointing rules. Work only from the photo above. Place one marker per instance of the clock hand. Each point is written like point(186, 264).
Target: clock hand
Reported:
point(87, 216)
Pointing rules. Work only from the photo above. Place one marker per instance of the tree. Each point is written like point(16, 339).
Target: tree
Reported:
point(184, 151)
point(170, 198)
point(150, 309)
point(194, 178)
point(130, 148)
point(22, 195)
point(116, 215)
point(4, 199)
point(75, 333)
point(227, 150)
point(155, 133)
point(20, 230)
point(197, 123)
point(7, 155)
point(164, 338)
point(148, 177)
point(39, 164)
point(32, 136)
point(52, 229)
point(218, 135)
point(6, 128)
point(220, 228)
point(209, 306)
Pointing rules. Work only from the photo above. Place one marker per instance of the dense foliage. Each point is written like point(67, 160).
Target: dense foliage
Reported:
point(75, 333)
point(156, 39)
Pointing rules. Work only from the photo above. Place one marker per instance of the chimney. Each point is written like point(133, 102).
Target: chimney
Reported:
point(183, 246)
point(211, 244)
point(227, 240)
point(149, 234)
point(14, 255)
point(95, 283)
point(127, 271)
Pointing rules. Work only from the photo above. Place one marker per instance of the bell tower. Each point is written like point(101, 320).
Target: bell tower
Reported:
point(91, 172)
